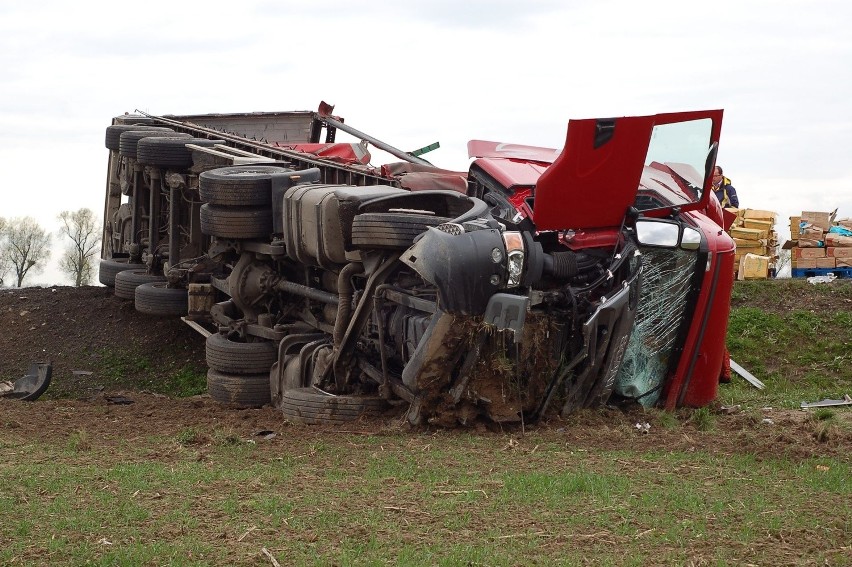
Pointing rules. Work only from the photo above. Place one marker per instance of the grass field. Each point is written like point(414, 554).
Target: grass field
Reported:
point(185, 482)
point(428, 499)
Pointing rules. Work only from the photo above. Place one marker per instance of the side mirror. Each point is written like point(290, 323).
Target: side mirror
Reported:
point(666, 234)
point(657, 233)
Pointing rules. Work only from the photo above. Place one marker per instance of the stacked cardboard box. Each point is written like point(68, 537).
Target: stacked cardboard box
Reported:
point(754, 234)
point(838, 245)
point(820, 241)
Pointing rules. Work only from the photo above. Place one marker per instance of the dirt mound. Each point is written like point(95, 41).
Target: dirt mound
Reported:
point(106, 357)
point(95, 341)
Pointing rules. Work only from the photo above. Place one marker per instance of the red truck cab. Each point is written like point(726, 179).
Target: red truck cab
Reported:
point(657, 167)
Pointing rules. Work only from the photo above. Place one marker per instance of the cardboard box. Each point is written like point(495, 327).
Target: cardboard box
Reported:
point(753, 267)
point(845, 223)
point(820, 219)
point(837, 252)
point(750, 244)
point(808, 230)
point(757, 214)
point(809, 243)
point(748, 233)
point(804, 263)
point(837, 240)
point(828, 263)
point(808, 252)
point(794, 227)
point(758, 224)
point(843, 262)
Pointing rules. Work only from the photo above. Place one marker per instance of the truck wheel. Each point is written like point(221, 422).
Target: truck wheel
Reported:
point(247, 390)
point(236, 222)
point(156, 298)
point(109, 268)
point(238, 185)
point(225, 355)
point(390, 231)
point(307, 405)
point(129, 142)
point(127, 281)
point(113, 133)
point(169, 151)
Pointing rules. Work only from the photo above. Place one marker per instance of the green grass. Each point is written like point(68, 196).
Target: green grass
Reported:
point(139, 372)
point(457, 500)
point(800, 356)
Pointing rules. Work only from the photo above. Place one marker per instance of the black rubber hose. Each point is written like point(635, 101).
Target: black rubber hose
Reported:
point(562, 265)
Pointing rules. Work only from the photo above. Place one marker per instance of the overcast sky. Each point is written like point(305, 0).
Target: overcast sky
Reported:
point(412, 73)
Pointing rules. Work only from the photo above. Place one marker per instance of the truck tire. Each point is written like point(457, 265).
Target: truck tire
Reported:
point(307, 405)
point(236, 222)
point(127, 281)
point(238, 185)
point(169, 151)
point(246, 390)
point(232, 357)
point(156, 298)
point(129, 143)
point(390, 231)
point(113, 133)
point(108, 269)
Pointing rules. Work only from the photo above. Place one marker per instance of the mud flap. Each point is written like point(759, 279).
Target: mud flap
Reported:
point(30, 387)
point(442, 364)
point(426, 372)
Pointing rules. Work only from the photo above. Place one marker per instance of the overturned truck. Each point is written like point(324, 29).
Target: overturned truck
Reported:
point(540, 280)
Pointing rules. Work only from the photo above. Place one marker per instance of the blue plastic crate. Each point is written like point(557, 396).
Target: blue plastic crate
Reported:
point(811, 272)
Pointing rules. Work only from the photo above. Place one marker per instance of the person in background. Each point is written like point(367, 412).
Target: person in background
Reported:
point(723, 189)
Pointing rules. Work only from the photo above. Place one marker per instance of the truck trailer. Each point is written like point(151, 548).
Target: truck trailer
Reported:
point(539, 281)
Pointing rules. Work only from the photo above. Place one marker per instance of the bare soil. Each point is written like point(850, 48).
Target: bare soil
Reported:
point(78, 328)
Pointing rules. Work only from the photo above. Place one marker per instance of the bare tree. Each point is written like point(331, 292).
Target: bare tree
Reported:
point(82, 228)
point(5, 264)
point(25, 247)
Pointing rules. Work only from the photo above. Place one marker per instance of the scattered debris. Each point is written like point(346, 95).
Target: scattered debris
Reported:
point(828, 278)
point(846, 401)
point(270, 556)
point(768, 421)
point(747, 375)
point(31, 386)
point(643, 427)
point(82, 372)
point(266, 434)
point(247, 532)
point(118, 400)
point(731, 409)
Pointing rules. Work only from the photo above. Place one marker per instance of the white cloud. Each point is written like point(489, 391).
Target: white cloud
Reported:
point(414, 73)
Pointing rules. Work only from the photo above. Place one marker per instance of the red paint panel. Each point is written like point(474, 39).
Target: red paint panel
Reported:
point(595, 178)
point(699, 386)
point(483, 149)
point(510, 173)
point(588, 187)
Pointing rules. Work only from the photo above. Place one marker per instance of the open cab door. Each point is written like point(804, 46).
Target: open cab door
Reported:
point(659, 164)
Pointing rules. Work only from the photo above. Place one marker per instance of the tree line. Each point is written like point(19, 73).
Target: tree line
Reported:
point(25, 247)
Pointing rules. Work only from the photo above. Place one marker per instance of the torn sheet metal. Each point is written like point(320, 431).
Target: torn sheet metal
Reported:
point(846, 401)
point(747, 375)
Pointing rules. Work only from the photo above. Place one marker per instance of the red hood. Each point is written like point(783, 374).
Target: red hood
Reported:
point(483, 149)
point(512, 173)
point(597, 175)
